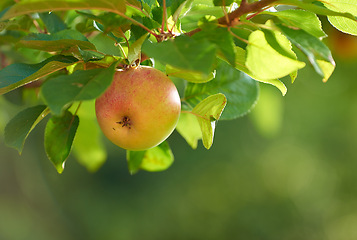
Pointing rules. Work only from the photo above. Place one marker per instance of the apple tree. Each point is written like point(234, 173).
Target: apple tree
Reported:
point(59, 56)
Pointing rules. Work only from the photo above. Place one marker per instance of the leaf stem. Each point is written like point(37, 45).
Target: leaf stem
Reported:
point(74, 115)
point(225, 11)
point(238, 37)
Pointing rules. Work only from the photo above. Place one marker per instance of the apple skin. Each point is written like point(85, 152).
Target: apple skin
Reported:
point(140, 109)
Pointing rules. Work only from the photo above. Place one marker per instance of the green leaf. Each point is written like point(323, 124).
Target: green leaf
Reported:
point(178, 7)
point(188, 75)
point(52, 22)
point(240, 90)
point(26, 7)
point(302, 19)
point(154, 159)
point(19, 74)
point(327, 69)
point(183, 52)
point(268, 62)
point(318, 8)
point(79, 86)
point(59, 135)
point(189, 129)
point(341, 23)
point(23, 23)
point(58, 42)
point(88, 146)
point(311, 46)
point(240, 61)
point(134, 52)
point(87, 55)
point(222, 39)
point(222, 2)
point(18, 128)
point(111, 24)
point(191, 18)
point(150, 3)
point(208, 112)
point(137, 32)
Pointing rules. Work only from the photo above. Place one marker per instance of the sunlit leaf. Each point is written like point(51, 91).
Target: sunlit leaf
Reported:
point(59, 135)
point(189, 75)
point(341, 23)
point(207, 112)
point(154, 159)
point(327, 69)
point(319, 8)
point(189, 129)
point(302, 19)
point(19, 74)
point(79, 86)
point(240, 60)
point(18, 129)
point(268, 62)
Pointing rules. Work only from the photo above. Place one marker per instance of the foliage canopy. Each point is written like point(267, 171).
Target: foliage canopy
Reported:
point(64, 54)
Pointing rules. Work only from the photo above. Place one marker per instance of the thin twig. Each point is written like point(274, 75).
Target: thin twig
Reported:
point(225, 11)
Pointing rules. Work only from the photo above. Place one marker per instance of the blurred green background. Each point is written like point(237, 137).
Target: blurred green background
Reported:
point(285, 171)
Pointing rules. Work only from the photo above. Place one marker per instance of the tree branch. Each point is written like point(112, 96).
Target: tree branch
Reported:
point(233, 17)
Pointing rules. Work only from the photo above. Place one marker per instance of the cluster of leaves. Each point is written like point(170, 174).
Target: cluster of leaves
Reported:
point(65, 53)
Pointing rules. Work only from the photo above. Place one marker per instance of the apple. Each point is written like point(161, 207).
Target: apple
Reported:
point(140, 109)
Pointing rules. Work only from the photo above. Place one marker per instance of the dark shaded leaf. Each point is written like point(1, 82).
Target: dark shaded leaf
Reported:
point(240, 90)
point(183, 52)
point(222, 39)
point(222, 2)
point(19, 74)
point(79, 86)
point(53, 22)
point(19, 127)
